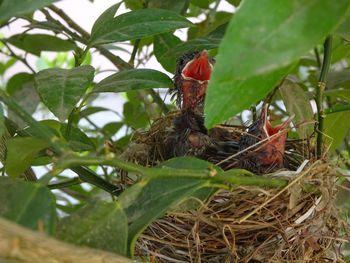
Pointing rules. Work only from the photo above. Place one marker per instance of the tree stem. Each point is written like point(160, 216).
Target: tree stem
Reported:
point(321, 85)
point(337, 109)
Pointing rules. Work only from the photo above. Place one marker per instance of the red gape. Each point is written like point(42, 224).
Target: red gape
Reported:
point(195, 77)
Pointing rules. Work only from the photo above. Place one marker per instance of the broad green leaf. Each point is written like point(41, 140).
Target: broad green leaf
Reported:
point(22, 90)
point(28, 204)
point(10, 8)
point(260, 43)
point(343, 29)
point(36, 43)
point(147, 200)
point(99, 225)
point(135, 115)
point(134, 79)
point(77, 139)
point(208, 42)
point(178, 6)
point(245, 93)
point(137, 24)
point(61, 89)
point(163, 43)
point(105, 18)
point(111, 128)
point(338, 79)
point(338, 93)
point(297, 103)
point(336, 125)
point(45, 25)
point(21, 153)
point(9, 63)
point(92, 110)
point(340, 52)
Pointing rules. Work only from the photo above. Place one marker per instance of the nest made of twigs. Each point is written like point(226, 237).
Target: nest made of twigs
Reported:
point(249, 224)
point(254, 224)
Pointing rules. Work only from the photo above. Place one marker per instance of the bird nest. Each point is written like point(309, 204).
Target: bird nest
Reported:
point(299, 223)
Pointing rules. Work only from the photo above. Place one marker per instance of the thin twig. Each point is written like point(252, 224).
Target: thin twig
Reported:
point(13, 54)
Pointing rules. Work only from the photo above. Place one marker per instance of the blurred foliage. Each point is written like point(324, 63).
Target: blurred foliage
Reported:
point(258, 51)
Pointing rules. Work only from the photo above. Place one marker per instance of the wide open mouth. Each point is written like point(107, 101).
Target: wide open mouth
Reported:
point(198, 68)
point(268, 128)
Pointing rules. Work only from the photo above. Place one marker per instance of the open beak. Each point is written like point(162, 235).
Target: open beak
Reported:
point(268, 129)
point(199, 68)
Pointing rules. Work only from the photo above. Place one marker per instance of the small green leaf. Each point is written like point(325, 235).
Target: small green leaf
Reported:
point(99, 225)
point(133, 4)
point(335, 127)
point(36, 43)
point(202, 3)
point(261, 42)
point(77, 140)
point(134, 79)
point(297, 103)
point(162, 44)
point(10, 8)
point(28, 204)
point(136, 24)
point(21, 153)
point(61, 89)
point(178, 6)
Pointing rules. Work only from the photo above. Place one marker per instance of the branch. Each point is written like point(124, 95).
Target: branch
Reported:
point(234, 177)
point(25, 245)
point(321, 85)
point(13, 54)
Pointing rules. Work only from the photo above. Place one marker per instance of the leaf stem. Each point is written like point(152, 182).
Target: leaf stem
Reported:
point(65, 183)
point(134, 51)
point(338, 108)
point(321, 85)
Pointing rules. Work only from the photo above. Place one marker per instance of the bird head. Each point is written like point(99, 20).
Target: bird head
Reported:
point(271, 151)
point(192, 75)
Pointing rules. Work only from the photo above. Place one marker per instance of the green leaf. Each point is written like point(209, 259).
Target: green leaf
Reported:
point(134, 79)
point(178, 6)
point(61, 89)
point(28, 204)
point(39, 42)
point(21, 153)
point(338, 79)
point(297, 103)
point(2, 120)
point(136, 24)
point(163, 43)
point(99, 225)
point(335, 127)
point(135, 115)
point(22, 90)
point(234, 2)
point(133, 4)
point(260, 43)
point(77, 139)
point(10, 8)
point(202, 3)
point(208, 42)
point(338, 93)
point(112, 128)
point(149, 199)
point(343, 29)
